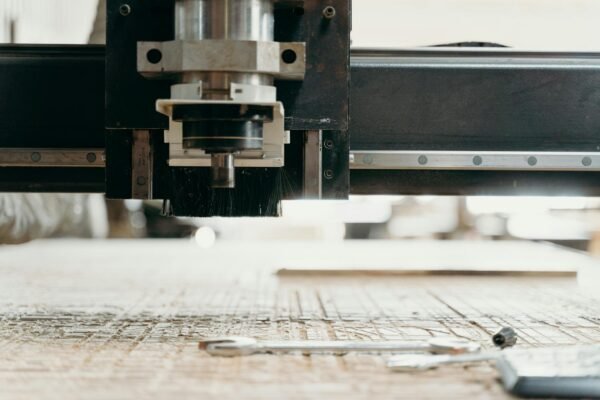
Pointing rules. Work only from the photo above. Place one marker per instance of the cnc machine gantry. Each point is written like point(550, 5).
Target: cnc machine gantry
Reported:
point(172, 109)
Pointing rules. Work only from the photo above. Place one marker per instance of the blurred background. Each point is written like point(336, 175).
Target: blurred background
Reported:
point(522, 24)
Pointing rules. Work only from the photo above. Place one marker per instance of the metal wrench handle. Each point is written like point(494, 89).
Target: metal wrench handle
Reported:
point(327, 346)
point(243, 346)
point(422, 362)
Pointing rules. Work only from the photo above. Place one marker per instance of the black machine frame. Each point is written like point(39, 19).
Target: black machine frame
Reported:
point(57, 98)
point(320, 102)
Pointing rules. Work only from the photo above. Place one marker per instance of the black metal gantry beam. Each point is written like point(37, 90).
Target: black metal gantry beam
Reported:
point(494, 100)
point(52, 97)
point(475, 100)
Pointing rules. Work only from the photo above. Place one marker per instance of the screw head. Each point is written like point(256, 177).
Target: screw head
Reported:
point(329, 12)
point(328, 144)
point(289, 56)
point(532, 161)
point(328, 174)
point(125, 10)
point(154, 56)
point(36, 157)
point(586, 162)
point(477, 160)
point(91, 157)
point(423, 160)
point(141, 181)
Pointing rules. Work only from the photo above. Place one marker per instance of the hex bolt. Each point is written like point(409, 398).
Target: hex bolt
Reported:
point(477, 160)
point(506, 337)
point(423, 160)
point(289, 56)
point(328, 144)
point(36, 157)
point(329, 12)
point(154, 56)
point(328, 174)
point(532, 161)
point(586, 162)
point(125, 10)
point(91, 157)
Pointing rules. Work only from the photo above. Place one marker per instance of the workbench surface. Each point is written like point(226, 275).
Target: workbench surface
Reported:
point(121, 320)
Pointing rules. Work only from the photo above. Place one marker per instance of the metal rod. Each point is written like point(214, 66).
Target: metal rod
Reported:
point(58, 158)
point(223, 170)
point(224, 20)
point(473, 160)
point(313, 165)
point(142, 165)
point(464, 58)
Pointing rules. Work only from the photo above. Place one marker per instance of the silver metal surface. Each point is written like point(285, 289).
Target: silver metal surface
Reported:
point(422, 362)
point(473, 160)
point(313, 165)
point(76, 158)
point(297, 69)
point(243, 346)
point(257, 58)
point(463, 58)
point(225, 20)
point(142, 165)
point(223, 170)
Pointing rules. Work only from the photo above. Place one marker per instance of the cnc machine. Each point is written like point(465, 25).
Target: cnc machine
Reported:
point(227, 107)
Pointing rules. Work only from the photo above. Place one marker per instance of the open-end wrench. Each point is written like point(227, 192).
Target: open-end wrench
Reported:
point(422, 362)
point(244, 346)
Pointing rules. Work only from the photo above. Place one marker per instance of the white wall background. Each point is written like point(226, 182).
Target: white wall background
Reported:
point(47, 21)
point(527, 24)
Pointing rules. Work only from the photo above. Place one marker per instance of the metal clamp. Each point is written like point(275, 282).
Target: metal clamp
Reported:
point(282, 60)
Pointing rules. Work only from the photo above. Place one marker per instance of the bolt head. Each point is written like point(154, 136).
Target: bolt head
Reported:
point(125, 10)
point(329, 12)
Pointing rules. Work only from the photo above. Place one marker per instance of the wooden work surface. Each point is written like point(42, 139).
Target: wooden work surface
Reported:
point(121, 320)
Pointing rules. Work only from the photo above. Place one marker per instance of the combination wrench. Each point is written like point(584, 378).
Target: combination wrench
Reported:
point(244, 346)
